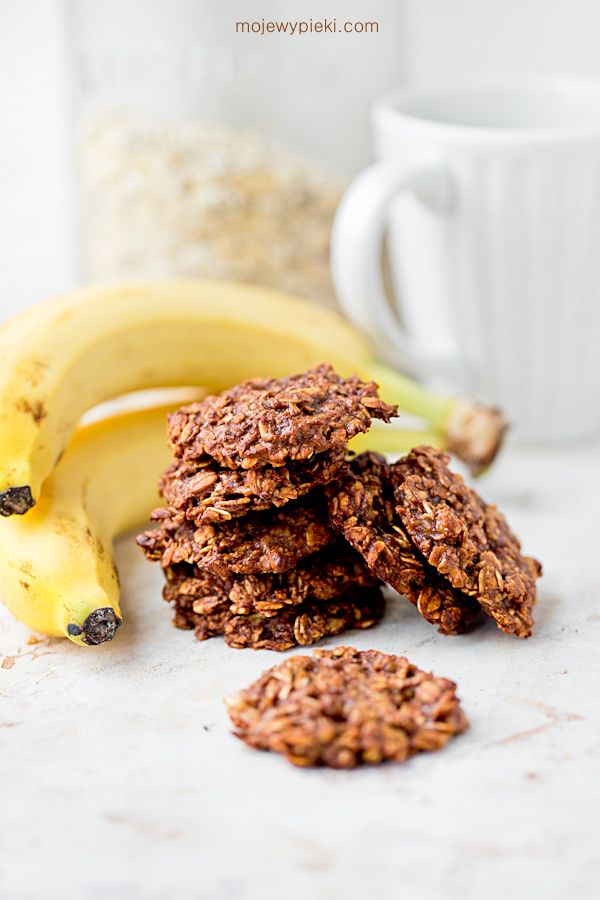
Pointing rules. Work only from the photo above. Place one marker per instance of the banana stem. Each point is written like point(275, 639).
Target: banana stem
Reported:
point(411, 396)
point(394, 440)
point(472, 431)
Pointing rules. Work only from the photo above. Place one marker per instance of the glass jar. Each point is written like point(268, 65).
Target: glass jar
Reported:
point(206, 150)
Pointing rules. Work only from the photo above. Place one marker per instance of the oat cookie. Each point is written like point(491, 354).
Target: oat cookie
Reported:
point(466, 540)
point(172, 542)
point(308, 623)
point(343, 707)
point(362, 508)
point(321, 577)
point(272, 421)
point(188, 581)
point(271, 541)
point(210, 493)
point(200, 600)
point(210, 615)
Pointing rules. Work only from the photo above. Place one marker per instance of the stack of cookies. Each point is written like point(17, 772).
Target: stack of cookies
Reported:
point(274, 535)
point(245, 539)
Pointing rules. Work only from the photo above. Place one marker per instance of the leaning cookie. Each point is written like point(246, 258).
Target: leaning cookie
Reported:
point(343, 707)
point(210, 493)
point(273, 421)
point(362, 509)
point(467, 540)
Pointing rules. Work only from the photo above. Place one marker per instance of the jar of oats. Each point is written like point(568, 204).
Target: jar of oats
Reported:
point(213, 150)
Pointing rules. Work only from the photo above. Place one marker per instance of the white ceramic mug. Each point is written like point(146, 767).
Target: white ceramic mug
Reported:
point(490, 194)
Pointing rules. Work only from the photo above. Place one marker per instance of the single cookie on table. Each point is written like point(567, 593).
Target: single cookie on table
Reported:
point(467, 540)
point(210, 493)
point(271, 541)
point(344, 707)
point(362, 509)
point(271, 421)
point(210, 614)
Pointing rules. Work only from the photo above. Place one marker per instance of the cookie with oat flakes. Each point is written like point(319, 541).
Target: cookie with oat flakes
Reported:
point(324, 576)
point(467, 540)
point(205, 609)
point(270, 421)
point(210, 493)
point(308, 623)
point(344, 707)
point(271, 541)
point(201, 603)
point(362, 509)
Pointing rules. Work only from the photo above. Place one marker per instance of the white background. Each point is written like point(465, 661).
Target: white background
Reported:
point(438, 38)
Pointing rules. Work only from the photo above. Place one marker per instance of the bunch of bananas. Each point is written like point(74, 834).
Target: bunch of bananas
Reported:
point(66, 491)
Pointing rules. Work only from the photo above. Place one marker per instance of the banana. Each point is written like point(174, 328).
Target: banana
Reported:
point(57, 571)
point(63, 357)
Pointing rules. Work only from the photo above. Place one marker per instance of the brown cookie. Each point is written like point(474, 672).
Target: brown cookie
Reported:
point(272, 421)
point(308, 623)
point(200, 600)
point(465, 539)
point(343, 707)
point(172, 542)
point(362, 509)
point(210, 493)
point(210, 615)
point(271, 541)
point(188, 581)
point(321, 577)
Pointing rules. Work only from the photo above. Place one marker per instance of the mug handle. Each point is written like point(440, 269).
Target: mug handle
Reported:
point(356, 242)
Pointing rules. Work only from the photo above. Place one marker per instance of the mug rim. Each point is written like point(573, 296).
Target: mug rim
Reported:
point(390, 105)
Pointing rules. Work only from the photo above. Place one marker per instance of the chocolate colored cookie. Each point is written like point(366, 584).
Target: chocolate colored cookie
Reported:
point(210, 615)
point(465, 539)
point(200, 600)
point(343, 707)
point(210, 493)
point(308, 623)
point(271, 541)
point(321, 577)
point(362, 509)
point(272, 421)
point(172, 542)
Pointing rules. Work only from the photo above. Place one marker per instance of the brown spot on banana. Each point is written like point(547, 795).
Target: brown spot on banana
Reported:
point(33, 408)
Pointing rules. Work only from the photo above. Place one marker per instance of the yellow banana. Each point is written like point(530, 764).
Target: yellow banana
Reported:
point(57, 572)
point(61, 358)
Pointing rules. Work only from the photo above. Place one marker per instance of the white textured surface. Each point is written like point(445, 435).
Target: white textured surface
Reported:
point(120, 778)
